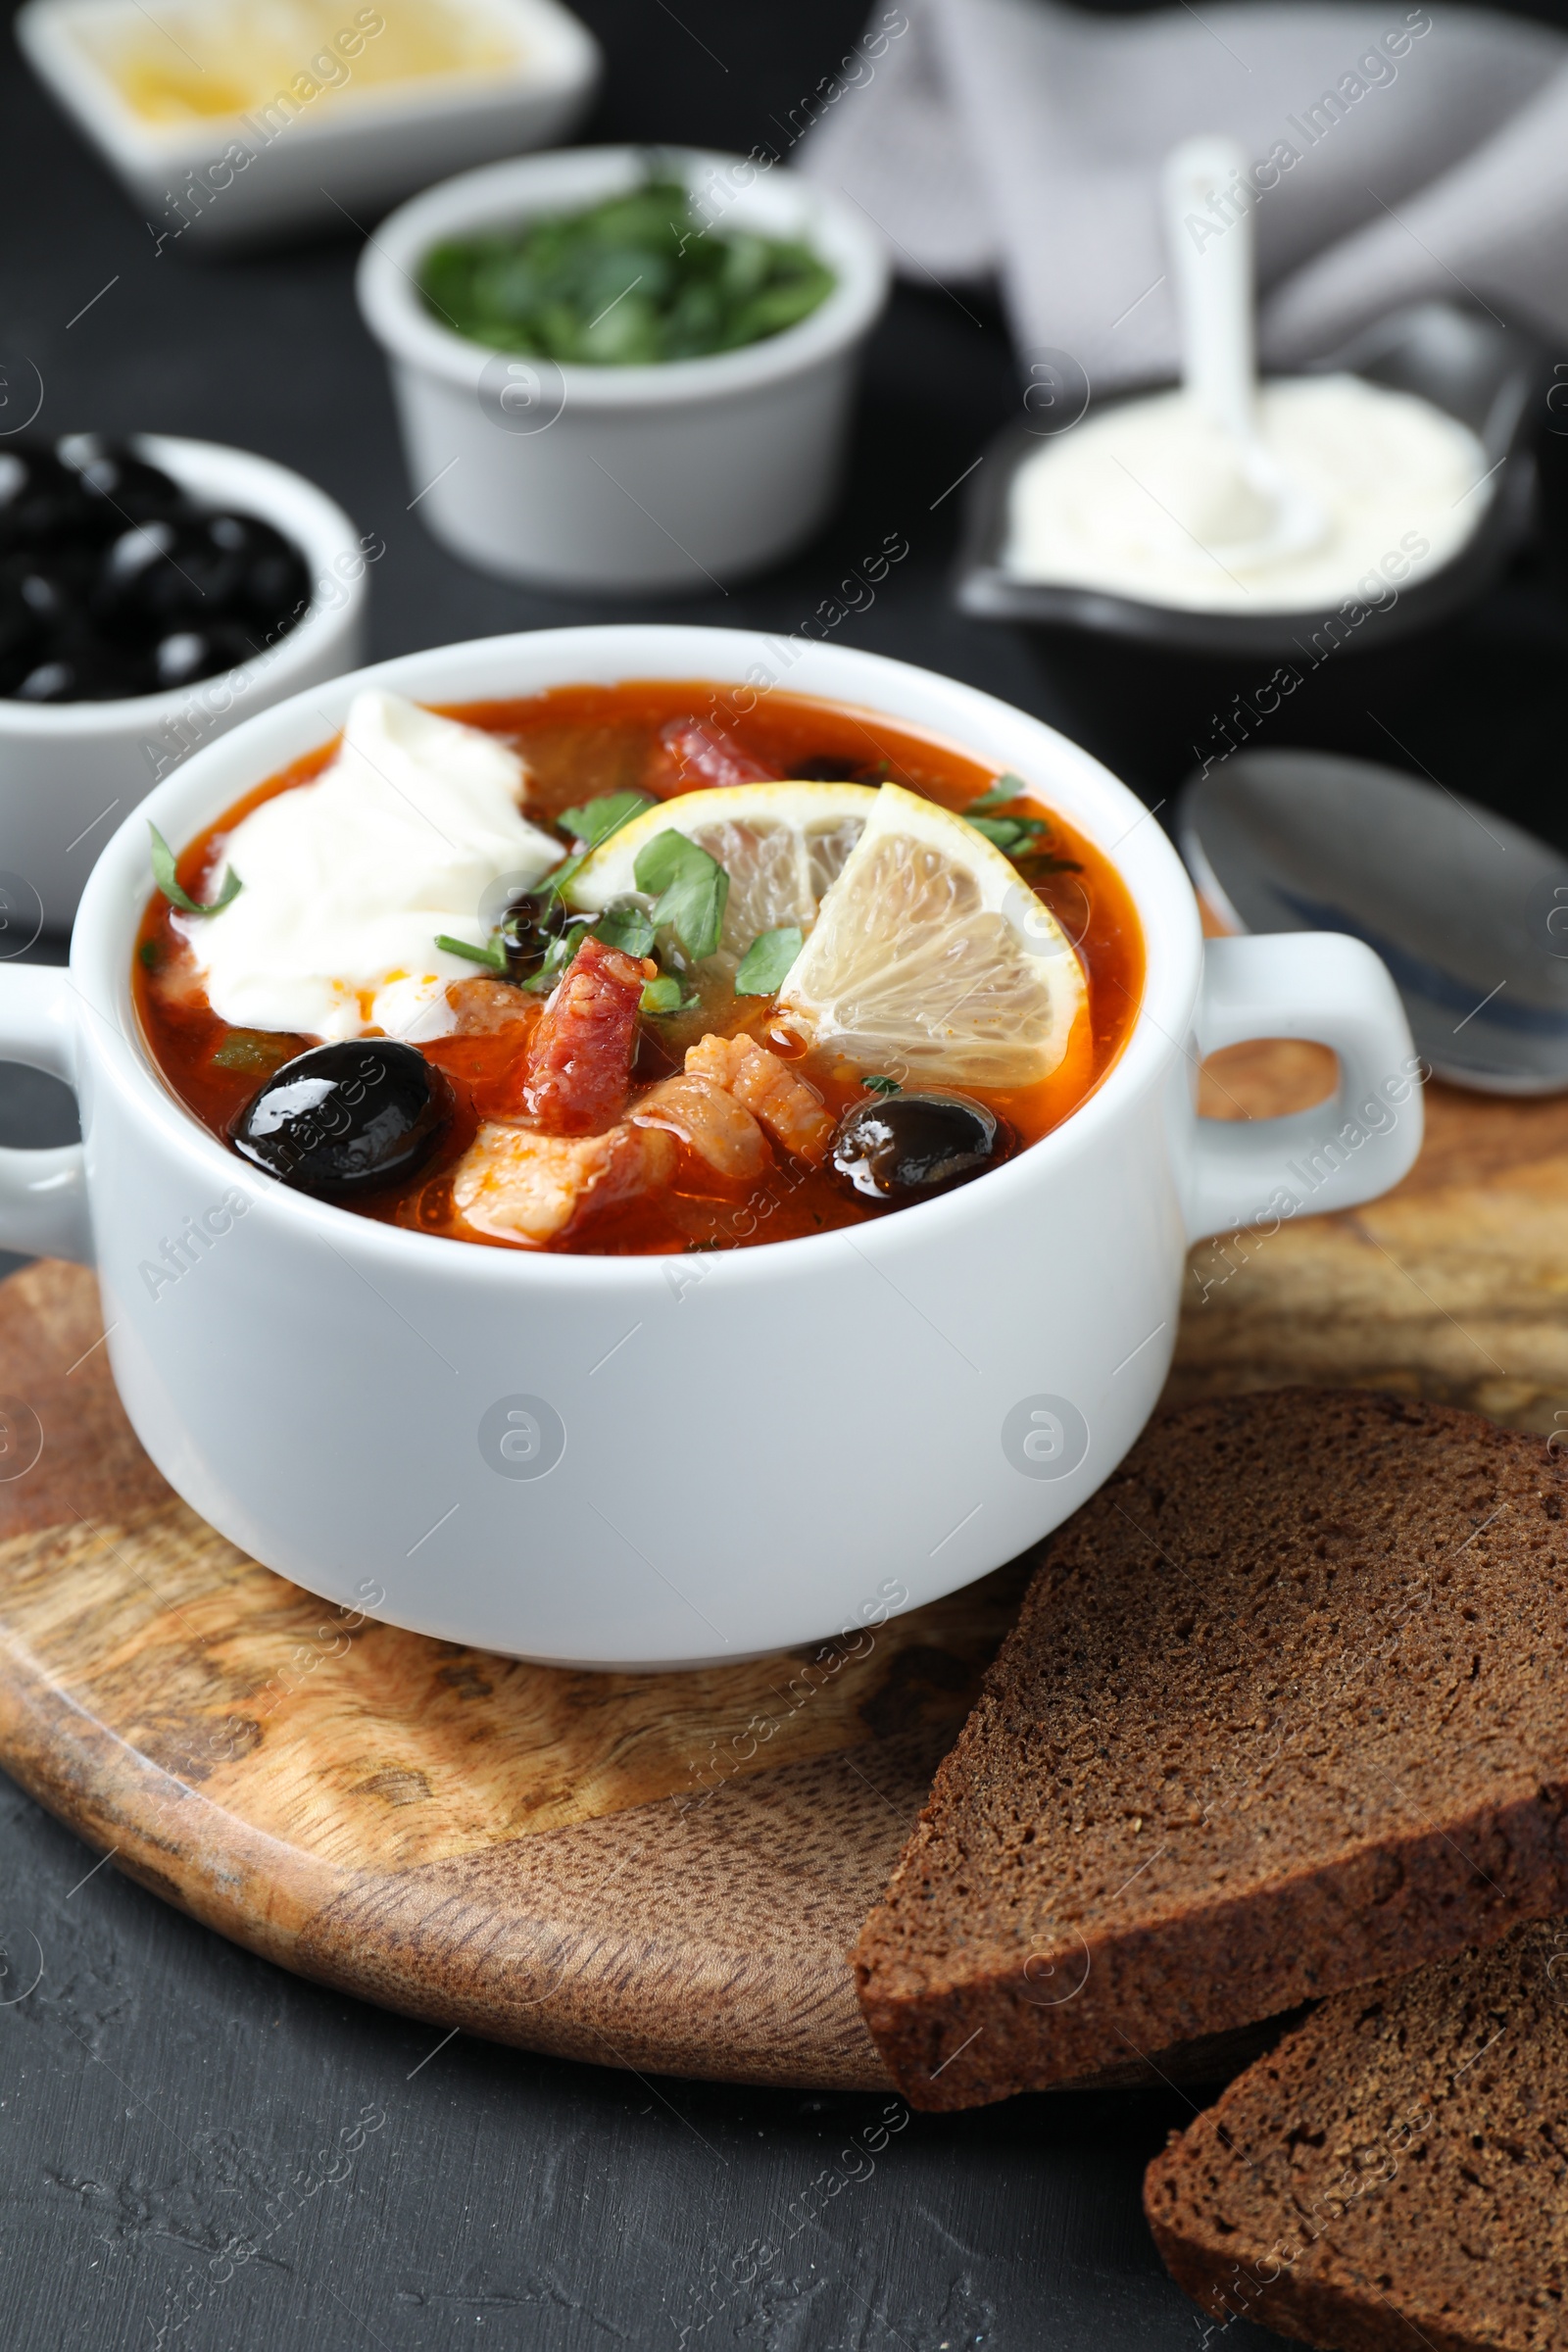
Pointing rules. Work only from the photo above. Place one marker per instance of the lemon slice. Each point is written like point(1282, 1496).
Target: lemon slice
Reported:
point(931, 955)
point(782, 845)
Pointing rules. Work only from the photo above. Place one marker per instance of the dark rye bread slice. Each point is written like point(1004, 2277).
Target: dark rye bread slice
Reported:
point(1395, 2175)
point(1286, 1709)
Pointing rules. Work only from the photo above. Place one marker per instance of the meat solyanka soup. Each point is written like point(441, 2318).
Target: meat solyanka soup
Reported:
point(648, 967)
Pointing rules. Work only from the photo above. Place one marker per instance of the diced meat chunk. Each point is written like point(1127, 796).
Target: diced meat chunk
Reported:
point(482, 1006)
point(713, 1126)
point(693, 754)
point(791, 1111)
point(578, 1072)
point(517, 1184)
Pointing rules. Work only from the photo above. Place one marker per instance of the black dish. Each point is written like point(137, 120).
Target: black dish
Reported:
point(1462, 360)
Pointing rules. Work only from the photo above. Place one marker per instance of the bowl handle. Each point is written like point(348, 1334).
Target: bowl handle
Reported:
point(43, 1194)
point(1256, 1173)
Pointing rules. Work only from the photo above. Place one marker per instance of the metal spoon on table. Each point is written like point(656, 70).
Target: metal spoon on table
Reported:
point(1468, 912)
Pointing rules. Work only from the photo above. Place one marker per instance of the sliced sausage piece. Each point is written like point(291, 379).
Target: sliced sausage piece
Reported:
point(517, 1184)
point(784, 1104)
point(693, 754)
point(578, 1071)
point(714, 1128)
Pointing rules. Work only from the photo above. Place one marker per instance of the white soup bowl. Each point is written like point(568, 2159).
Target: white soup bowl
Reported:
point(624, 1461)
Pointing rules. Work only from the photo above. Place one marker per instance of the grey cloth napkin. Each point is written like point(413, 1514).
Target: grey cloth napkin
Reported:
point(1400, 153)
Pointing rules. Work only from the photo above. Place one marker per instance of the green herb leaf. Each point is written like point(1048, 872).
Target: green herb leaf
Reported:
point(1007, 833)
point(1008, 786)
point(761, 969)
point(492, 956)
point(659, 861)
point(149, 955)
point(629, 928)
point(596, 820)
point(640, 277)
point(559, 952)
point(253, 1050)
point(555, 882)
point(880, 1084)
point(665, 995)
point(690, 890)
point(164, 876)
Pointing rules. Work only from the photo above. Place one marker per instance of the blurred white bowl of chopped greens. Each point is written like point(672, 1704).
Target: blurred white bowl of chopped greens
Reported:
point(618, 371)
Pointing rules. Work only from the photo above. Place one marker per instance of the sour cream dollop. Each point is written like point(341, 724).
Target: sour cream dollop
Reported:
point(414, 827)
point(1147, 500)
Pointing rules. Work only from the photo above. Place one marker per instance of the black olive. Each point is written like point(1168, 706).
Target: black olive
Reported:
point(20, 635)
point(527, 930)
point(345, 1118)
point(111, 583)
point(905, 1146)
point(160, 579)
point(191, 654)
point(75, 666)
point(42, 503)
point(268, 579)
point(117, 487)
point(172, 576)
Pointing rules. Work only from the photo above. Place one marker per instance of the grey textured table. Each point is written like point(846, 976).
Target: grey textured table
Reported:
point(162, 2096)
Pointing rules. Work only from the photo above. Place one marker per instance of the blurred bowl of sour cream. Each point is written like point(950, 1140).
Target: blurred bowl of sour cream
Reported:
point(1416, 442)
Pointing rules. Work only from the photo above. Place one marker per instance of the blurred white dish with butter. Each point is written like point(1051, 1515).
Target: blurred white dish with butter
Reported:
point(1147, 500)
point(229, 120)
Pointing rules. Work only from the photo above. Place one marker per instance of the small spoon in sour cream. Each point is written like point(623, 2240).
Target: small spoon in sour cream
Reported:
point(1222, 496)
point(1244, 505)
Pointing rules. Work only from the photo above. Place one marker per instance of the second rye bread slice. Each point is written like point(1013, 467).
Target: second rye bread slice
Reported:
point(1393, 2177)
point(1286, 1709)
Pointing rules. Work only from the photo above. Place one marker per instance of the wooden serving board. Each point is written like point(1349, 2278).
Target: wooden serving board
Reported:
point(656, 1871)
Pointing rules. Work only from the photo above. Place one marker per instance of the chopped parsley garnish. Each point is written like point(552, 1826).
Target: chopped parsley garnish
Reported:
point(596, 820)
point(592, 824)
point(880, 1084)
point(761, 969)
point(149, 955)
point(635, 279)
point(1024, 839)
point(252, 1050)
point(559, 952)
point(165, 877)
point(629, 928)
point(1012, 835)
point(690, 890)
point(1006, 788)
point(492, 956)
point(666, 995)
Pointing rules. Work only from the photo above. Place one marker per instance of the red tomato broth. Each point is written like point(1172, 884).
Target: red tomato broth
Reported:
point(583, 741)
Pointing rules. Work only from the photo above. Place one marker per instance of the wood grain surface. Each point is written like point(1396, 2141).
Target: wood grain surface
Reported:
point(656, 1871)
point(1453, 1288)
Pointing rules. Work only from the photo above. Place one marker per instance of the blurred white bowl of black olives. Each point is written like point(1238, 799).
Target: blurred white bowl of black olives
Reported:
point(153, 592)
